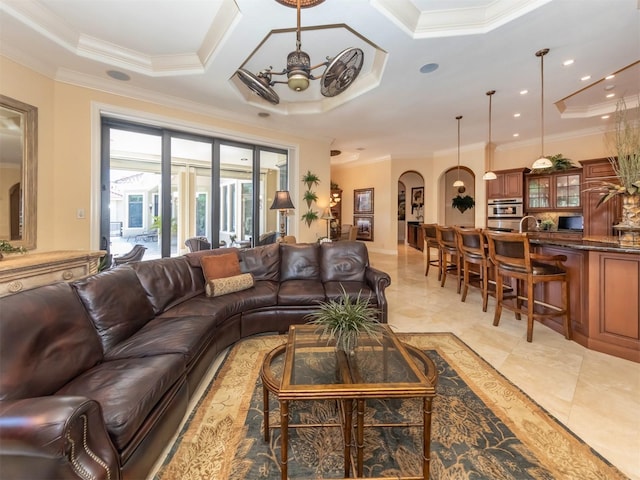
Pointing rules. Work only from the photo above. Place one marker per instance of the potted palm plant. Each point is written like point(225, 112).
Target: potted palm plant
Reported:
point(626, 165)
point(343, 320)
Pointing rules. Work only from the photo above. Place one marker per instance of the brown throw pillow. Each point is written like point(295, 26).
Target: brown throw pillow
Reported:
point(220, 266)
point(221, 286)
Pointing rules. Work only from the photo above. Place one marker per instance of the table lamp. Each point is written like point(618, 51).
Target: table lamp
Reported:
point(328, 216)
point(282, 203)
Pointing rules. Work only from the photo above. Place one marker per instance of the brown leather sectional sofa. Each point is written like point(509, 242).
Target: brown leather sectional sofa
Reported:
point(95, 376)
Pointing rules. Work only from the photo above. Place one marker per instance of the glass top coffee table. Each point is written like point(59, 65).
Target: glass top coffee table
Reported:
point(377, 369)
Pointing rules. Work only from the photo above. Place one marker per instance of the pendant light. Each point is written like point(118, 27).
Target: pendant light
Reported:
point(489, 175)
point(458, 183)
point(542, 162)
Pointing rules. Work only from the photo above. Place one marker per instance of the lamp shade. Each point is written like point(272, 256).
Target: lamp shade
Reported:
point(489, 176)
point(281, 201)
point(542, 162)
point(327, 215)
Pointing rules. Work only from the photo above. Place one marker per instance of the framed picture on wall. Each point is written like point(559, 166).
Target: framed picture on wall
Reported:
point(417, 199)
point(365, 227)
point(363, 201)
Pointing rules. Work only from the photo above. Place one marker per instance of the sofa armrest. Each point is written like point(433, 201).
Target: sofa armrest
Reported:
point(378, 281)
point(56, 436)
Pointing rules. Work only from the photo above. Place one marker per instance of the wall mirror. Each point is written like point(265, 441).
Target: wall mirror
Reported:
point(18, 172)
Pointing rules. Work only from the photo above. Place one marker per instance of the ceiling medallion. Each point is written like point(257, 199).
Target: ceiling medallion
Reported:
point(340, 72)
point(303, 3)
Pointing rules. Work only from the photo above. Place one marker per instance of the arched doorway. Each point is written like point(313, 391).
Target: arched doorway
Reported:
point(456, 216)
point(410, 204)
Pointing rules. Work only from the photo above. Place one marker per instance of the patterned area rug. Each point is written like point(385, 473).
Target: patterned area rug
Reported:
point(483, 427)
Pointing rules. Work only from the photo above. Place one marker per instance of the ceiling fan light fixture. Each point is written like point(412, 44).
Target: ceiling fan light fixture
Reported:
point(340, 71)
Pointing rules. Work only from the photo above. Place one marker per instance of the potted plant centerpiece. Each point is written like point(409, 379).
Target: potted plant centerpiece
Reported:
point(343, 320)
point(626, 165)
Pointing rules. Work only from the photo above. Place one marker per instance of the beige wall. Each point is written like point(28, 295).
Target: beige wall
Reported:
point(68, 149)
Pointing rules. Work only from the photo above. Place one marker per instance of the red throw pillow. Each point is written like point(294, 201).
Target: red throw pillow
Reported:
point(220, 266)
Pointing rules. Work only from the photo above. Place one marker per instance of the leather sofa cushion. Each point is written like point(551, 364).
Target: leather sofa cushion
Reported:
point(168, 281)
point(262, 294)
point(333, 291)
point(116, 302)
point(128, 390)
point(187, 336)
point(262, 262)
point(46, 339)
point(343, 261)
point(300, 261)
point(300, 292)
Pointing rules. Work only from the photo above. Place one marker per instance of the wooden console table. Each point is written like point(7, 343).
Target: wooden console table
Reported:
point(25, 271)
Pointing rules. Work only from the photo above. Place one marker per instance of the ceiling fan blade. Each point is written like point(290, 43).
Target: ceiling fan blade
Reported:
point(258, 85)
point(341, 72)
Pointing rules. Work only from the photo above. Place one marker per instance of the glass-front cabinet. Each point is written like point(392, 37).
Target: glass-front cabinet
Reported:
point(568, 191)
point(539, 192)
point(554, 191)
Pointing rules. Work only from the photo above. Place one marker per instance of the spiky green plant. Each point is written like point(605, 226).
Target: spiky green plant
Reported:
point(626, 164)
point(344, 319)
point(310, 179)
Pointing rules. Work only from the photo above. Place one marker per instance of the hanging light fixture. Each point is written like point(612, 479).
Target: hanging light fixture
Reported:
point(489, 175)
point(542, 162)
point(458, 183)
point(340, 73)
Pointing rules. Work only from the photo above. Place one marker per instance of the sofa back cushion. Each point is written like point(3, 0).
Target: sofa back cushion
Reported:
point(46, 339)
point(168, 281)
point(343, 261)
point(262, 262)
point(300, 261)
point(116, 302)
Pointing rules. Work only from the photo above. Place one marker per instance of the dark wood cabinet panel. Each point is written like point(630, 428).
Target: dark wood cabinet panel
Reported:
point(336, 211)
point(415, 235)
point(508, 184)
point(599, 220)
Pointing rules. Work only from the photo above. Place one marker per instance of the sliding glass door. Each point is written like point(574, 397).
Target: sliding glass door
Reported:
point(205, 187)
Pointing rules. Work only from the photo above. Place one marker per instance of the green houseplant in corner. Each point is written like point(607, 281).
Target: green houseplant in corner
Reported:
point(345, 319)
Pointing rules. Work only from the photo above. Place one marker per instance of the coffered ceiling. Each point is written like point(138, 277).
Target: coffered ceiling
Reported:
point(185, 53)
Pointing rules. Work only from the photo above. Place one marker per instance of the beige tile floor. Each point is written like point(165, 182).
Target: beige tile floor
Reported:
point(597, 396)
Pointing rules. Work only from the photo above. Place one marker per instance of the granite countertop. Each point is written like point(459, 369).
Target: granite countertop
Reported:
point(599, 243)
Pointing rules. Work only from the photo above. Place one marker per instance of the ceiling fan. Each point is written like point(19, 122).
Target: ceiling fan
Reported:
point(341, 70)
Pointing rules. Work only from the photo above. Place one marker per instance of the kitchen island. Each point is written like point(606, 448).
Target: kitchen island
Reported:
point(604, 284)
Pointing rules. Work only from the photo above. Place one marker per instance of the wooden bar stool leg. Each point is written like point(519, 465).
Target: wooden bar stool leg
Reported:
point(484, 271)
point(465, 281)
point(499, 300)
point(568, 333)
point(530, 306)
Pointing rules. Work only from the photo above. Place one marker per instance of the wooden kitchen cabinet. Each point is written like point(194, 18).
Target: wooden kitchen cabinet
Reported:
point(415, 235)
point(508, 184)
point(599, 220)
point(554, 191)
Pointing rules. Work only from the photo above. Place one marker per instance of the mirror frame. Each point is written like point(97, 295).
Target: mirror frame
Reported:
point(29, 171)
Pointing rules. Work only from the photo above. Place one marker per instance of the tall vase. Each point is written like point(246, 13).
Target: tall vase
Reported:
point(629, 226)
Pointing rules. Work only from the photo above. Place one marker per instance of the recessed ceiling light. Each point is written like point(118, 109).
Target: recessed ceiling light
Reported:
point(118, 75)
point(610, 95)
point(516, 134)
point(609, 77)
point(244, 159)
point(429, 67)
point(568, 62)
point(610, 87)
point(585, 78)
point(361, 148)
point(263, 114)
point(524, 92)
point(516, 115)
point(604, 117)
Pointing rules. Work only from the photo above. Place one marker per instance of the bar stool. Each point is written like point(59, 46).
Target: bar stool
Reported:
point(449, 254)
point(473, 250)
point(431, 241)
point(511, 253)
